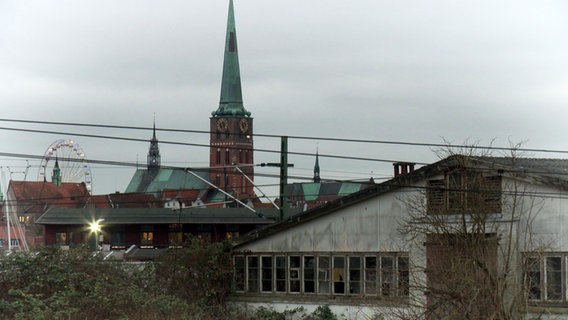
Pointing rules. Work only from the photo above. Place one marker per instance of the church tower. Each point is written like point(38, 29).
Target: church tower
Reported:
point(231, 142)
point(153, 159)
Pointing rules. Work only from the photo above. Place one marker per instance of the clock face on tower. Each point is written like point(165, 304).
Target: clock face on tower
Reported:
point(244, 125)
point(222, 125)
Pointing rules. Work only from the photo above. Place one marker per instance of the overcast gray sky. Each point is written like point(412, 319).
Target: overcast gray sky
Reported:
point(414, 71)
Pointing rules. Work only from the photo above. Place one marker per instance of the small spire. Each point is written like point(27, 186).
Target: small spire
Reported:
point(317, 178)
point(154, 129)
point(231, 102)
point(154, 157)
point(56, 174)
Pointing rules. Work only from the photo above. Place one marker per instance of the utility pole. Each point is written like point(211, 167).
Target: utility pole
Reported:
point(283, 177)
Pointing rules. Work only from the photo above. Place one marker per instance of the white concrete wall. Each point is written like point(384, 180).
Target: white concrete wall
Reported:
point(545, 218)
point(369, 226)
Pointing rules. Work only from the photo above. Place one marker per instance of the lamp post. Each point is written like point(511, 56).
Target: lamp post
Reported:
point(96, 228)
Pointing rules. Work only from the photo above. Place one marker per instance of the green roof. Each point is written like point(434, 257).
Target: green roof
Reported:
point(350, 187)
point(311, 191)
point(144, 182)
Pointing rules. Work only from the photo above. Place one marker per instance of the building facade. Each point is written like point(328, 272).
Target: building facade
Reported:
point(26, 201)
point(425, 244)
point(122, 230)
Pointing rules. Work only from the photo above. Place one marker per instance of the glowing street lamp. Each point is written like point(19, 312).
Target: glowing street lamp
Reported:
point(96, 228)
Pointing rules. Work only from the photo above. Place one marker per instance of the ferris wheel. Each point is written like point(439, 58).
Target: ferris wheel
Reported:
point(71, 160)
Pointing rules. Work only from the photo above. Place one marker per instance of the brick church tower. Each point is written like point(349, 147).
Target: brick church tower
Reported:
point(231, 142)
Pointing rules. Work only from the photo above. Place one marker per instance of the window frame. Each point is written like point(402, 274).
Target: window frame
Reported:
point(239, 274)
point(351, 272)
point(266, 271)
point(280, 268)
point(540, 267)
point(368, 279)
point(315, 273)
point(305, 273)
point(297, 271)
point(321, 271)
point(252, 271)
point(338, 275)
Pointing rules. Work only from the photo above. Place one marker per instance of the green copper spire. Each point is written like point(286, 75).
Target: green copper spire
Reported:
point(231, 103)
point(56, 176)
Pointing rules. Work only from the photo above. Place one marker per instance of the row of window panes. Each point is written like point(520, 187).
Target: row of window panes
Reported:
point(146, 238)
point(354, 274)
point(13, 242)
point(117, 238)
point(545, 277)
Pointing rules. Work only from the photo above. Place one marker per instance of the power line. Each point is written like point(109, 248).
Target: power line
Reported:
point(298, 177)
point(404, 143)
point(199, 145)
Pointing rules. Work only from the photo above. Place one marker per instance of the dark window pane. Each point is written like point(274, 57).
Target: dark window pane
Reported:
point(239, 273)
point(554, 278)
point(323, 275)
point(339, 275)
point(266, 273)
point(403, 276)
point(371, 278)
point(309, 274)
point(280, 274)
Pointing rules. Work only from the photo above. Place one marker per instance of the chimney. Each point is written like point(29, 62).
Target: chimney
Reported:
point(401, 168)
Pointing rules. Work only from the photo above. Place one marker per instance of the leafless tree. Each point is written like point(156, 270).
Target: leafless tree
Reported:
point(470, 229)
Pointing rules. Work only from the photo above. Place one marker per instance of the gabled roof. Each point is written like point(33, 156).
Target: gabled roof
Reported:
point(68, 195)
point(545, 171)
point(123, 200)
point(122, 216)
point(541, 171)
